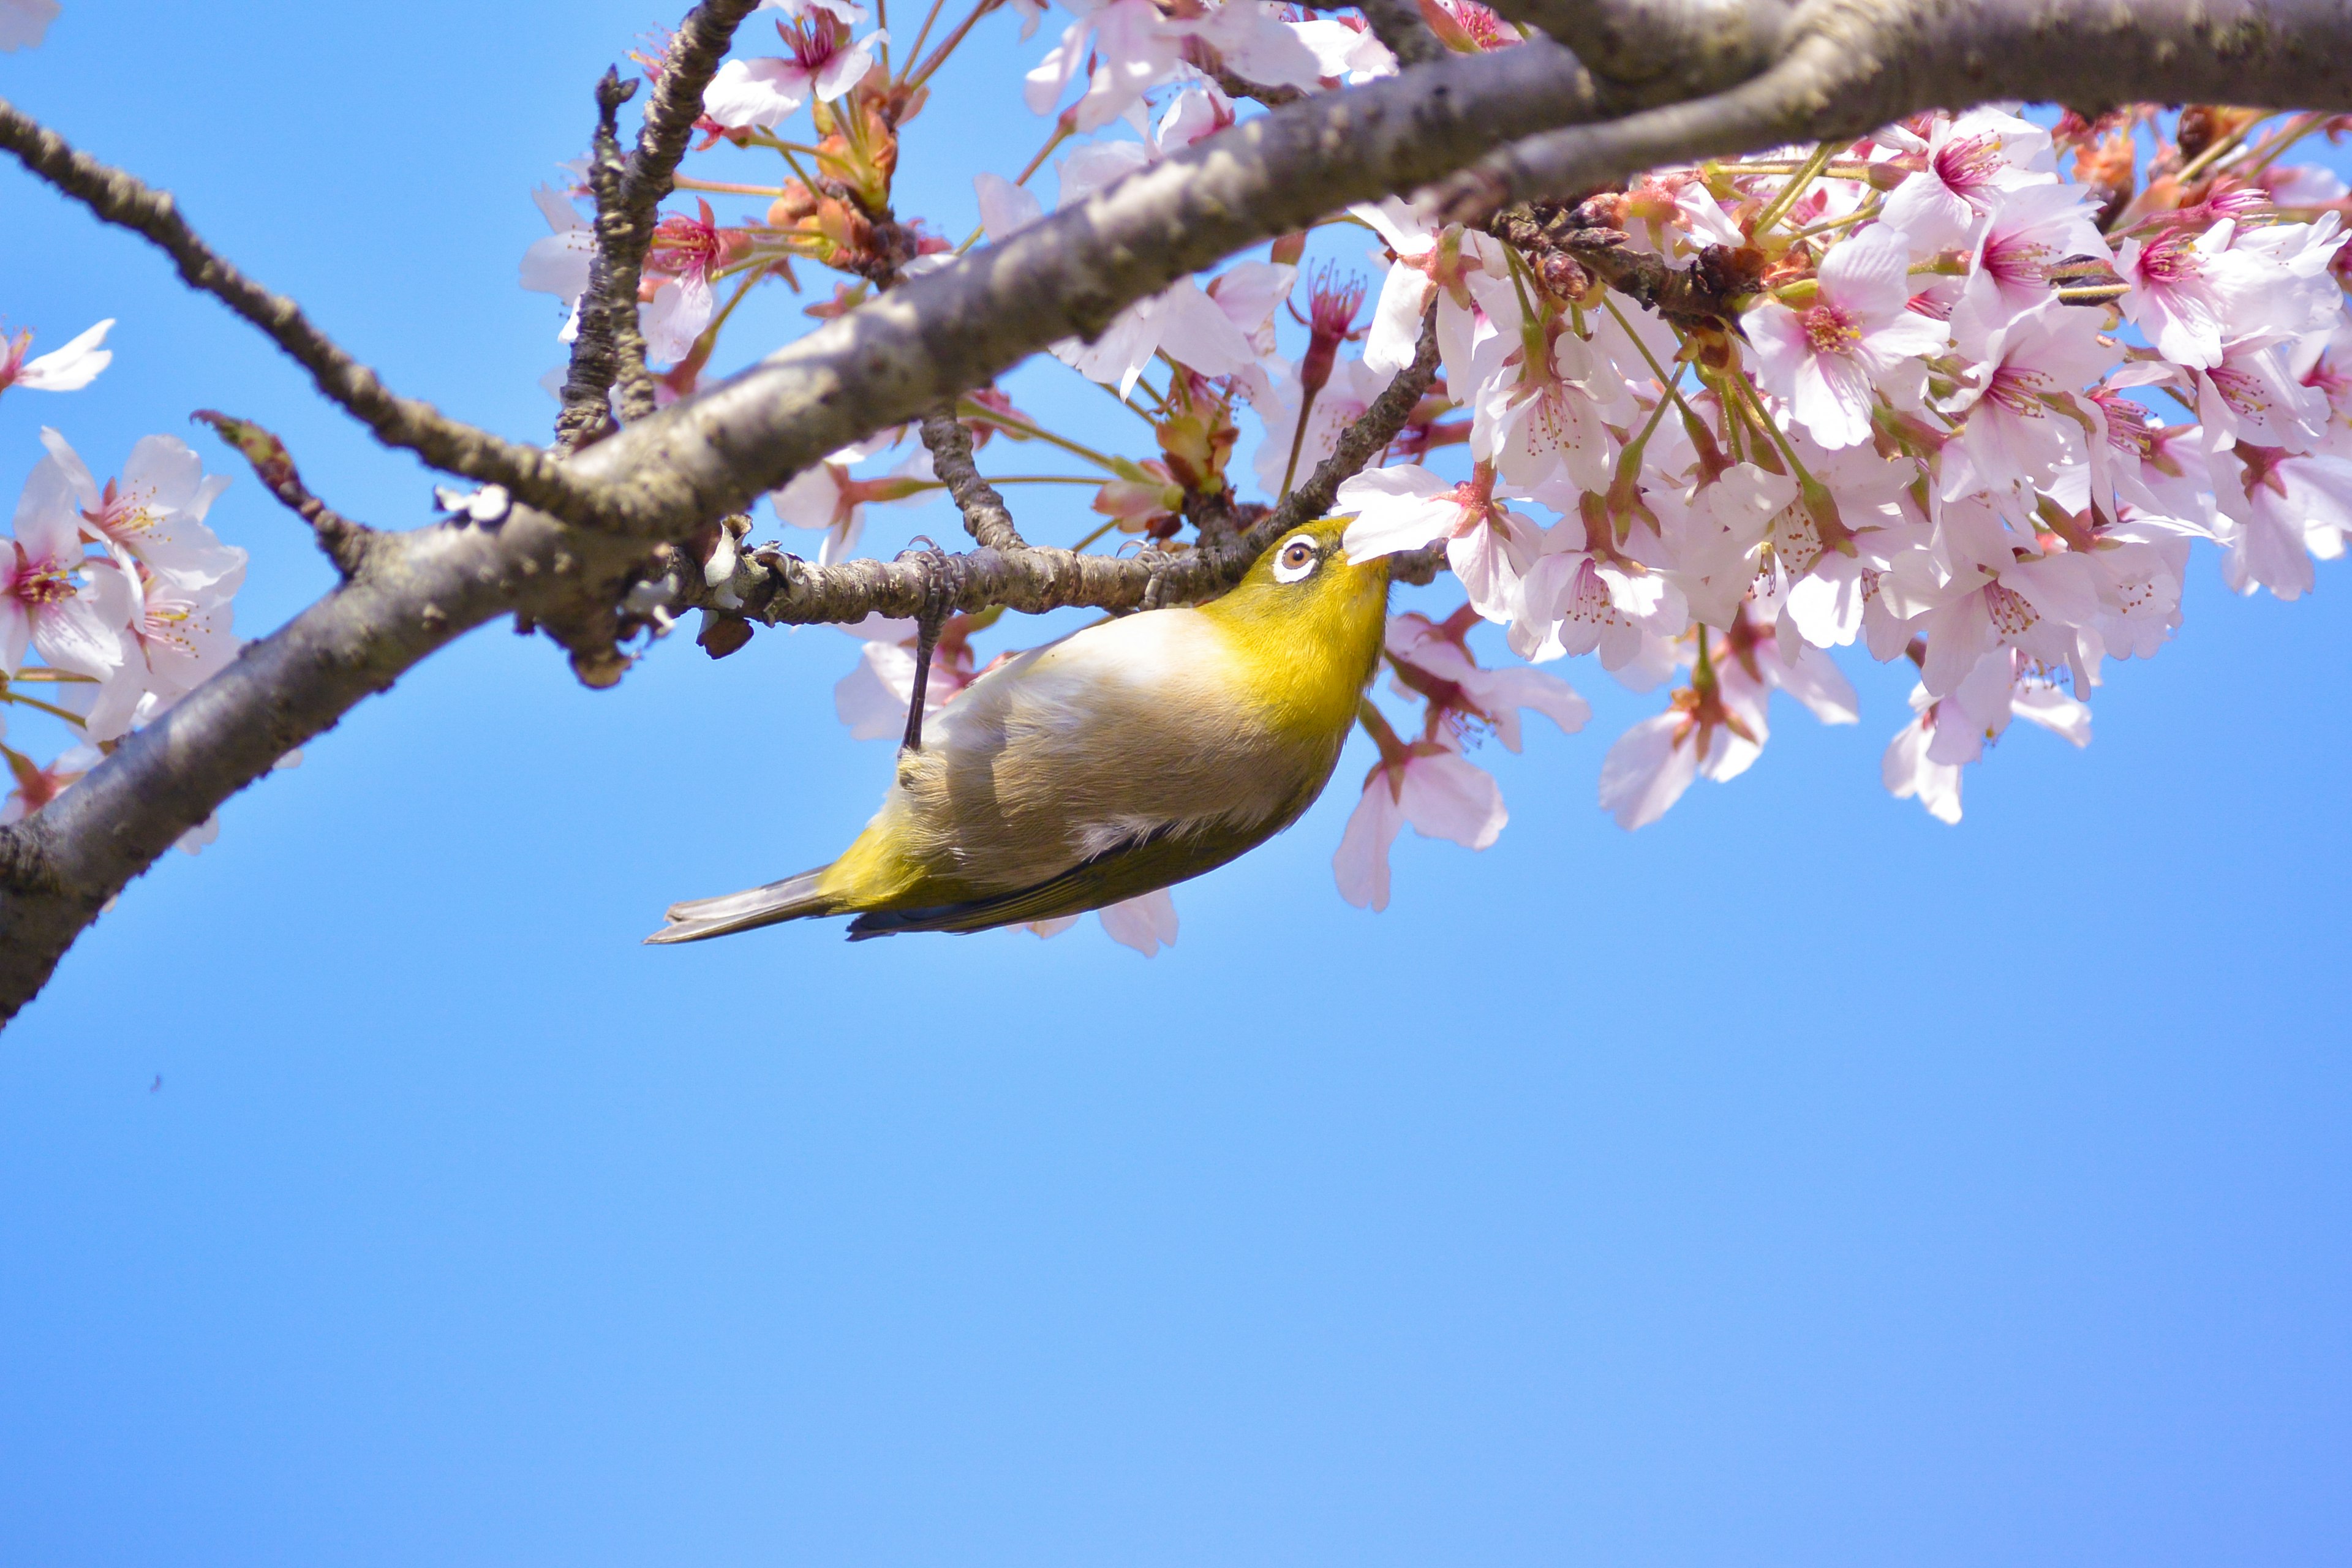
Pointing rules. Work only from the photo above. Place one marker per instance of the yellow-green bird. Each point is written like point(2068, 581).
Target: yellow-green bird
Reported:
point(1123, 758)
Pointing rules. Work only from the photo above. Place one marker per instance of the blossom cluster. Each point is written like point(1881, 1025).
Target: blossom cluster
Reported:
point(122, 590)
point(1963, 392)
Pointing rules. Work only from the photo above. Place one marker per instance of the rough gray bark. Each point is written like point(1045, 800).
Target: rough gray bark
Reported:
point(1682, 79)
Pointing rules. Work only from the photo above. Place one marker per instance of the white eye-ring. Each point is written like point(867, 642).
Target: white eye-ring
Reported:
point(1296, 559)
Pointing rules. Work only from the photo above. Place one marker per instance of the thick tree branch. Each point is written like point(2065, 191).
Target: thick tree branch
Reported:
point(403, 422)
point(1844, 66)
point(1398, 24)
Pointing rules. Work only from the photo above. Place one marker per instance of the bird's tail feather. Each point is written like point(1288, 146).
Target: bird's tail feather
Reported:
point(788, 900)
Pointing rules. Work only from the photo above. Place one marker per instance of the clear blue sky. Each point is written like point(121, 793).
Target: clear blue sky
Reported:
point(1796, 1181)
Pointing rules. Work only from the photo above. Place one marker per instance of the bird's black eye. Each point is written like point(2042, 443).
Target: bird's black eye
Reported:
point(1296, 559)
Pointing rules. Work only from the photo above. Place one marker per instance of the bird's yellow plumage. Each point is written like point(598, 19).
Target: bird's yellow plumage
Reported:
point(1123, 758)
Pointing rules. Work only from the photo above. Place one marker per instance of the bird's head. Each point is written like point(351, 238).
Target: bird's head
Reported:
point(1309, 615)
point(1306, 576)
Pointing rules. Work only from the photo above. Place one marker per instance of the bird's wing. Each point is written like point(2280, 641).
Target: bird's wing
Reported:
point(1167, 855)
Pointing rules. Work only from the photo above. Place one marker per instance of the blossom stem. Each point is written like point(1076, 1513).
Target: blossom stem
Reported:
point(948, 45)
point(1112, 392)
point(1861, 215)
point(722, 188)
point(1752, 408)
point(1779, 204)
point(710, 332)
point(1014, 426)
point(2293, 132)
point(770, 139)
point(1834, 170)
point(2222, 147)
point(1297, 441)
point(1061, 134)
point(1091, 538)
point(915, 49)
point(1668, 382)
point(40, 706)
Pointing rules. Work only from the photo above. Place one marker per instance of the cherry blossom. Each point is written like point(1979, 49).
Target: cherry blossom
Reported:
point(825, 497)
point(1857, 333)
point(2187, 290)
point(1133, 47)
point(1433, 662)
point(1429, 785)
point(1969, 166)
point(68, 369)
point(558, 265)
point(45, 596)
point(684, 255)
point(823, 64)
point(155, 512)
point(1409, 508)
point(1146, 923)
point(24, 23)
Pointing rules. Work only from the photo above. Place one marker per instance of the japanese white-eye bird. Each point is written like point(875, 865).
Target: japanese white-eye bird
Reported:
point(1133, 754)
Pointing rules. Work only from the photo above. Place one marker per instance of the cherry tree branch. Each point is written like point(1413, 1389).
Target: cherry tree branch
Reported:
point(448, 444)
point(985, 516)
point(1819, 67)
point(344, 543)
point(609, 347)
point(779, 589)
point(1836, 68)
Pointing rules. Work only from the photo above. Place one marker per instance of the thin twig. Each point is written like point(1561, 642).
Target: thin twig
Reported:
point(346, 542)
point(608, 342)
point(447, 443)
point(985, 516)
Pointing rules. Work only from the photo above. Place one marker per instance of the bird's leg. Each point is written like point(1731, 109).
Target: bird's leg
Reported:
point(938, 599)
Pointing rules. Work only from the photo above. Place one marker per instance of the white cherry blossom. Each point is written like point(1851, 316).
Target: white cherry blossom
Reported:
point(68, 369)
point(1829, 358)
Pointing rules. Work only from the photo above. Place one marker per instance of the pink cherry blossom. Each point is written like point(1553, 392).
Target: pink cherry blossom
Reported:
point(35, 788)
point(2021, 412)
point(685, 255)
point(1574, 600)
point(1542, 406)
point(823, 64)
point(1409, 508)
point(2187, 291)
point(1134, 48)
point(1428, 785)
point(1437, 666)
point(2251, 396)
point(1466, 272)
point(1146, 923)
point(155, 511)
point(825, 497)
point(2029, 231)
point(1969, 165)
point(558, 265)
point(1828, 359)
point(23, 23)
point(45, 596)
point(2282, 510)
point(68, 369)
